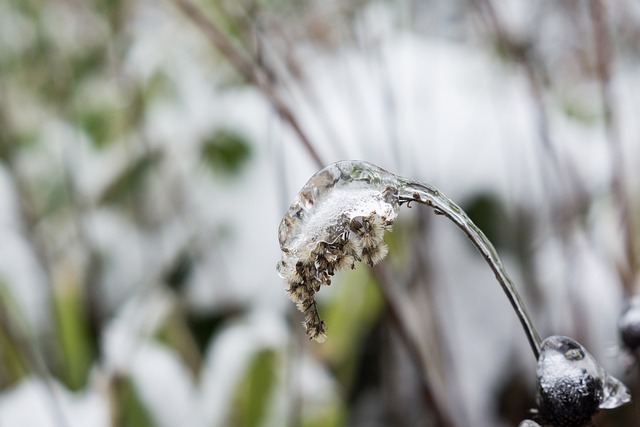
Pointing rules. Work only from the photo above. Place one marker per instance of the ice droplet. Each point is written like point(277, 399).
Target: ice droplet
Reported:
point(528, 423)
point(572, 386)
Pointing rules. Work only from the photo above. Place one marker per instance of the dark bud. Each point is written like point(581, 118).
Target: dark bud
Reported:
point(570, 383)
point(629, 325)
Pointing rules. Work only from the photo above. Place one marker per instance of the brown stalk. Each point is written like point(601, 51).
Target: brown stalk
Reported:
point(248, 70)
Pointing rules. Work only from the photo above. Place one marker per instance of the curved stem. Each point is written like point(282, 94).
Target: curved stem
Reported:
point(412, 191)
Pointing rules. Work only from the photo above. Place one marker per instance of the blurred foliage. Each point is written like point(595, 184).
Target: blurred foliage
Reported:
point(350, 314)
point(12, 358)
point(130, 410)
point(180, 271)
point(130, 182)
point(76, 355)
point(176, 333)
point(226, 152)
point(488, 213)
point(255, 391)
point(204, 326)
point(71, 70)
point(333, 415)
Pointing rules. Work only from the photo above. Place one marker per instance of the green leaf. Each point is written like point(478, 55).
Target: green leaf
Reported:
point(253, 395)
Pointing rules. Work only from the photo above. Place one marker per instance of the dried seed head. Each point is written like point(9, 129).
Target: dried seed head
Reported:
point(315, 327)
point(338, 218)
point(572, 387)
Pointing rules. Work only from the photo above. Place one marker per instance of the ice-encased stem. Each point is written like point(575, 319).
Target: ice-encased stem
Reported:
point(413, 191)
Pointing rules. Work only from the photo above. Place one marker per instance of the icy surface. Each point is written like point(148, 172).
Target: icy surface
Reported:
point(347, 188)
point(572, 386)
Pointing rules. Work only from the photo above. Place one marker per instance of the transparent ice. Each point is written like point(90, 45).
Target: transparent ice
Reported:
point(572, 386)
point(350, 189)
point(342, 190)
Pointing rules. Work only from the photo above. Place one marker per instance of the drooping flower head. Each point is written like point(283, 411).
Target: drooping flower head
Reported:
point(339, 217)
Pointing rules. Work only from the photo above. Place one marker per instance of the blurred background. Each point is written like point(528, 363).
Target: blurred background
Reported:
point(149, 148)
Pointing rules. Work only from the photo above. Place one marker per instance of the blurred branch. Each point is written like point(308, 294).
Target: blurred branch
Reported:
point(604, 64)
point(401, 327)
point(249, 70)
point(16, 330)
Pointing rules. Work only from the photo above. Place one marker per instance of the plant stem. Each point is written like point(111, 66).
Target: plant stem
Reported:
point(430, 196)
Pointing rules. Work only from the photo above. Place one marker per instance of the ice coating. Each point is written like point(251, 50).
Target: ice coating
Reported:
point(528, 423)
point(572, 386)
point(413, 191)
point(629, 324)
point(344, 189)
point(339, 217)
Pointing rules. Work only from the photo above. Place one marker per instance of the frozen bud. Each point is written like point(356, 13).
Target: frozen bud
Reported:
point(339, 217)
point(528, 423)
point(572, 386)
point(629, 325)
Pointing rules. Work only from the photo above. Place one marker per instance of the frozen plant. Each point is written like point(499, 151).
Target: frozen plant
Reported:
point(340, 216)
point(629, 326)
point(528, 423)
point(572, 386)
